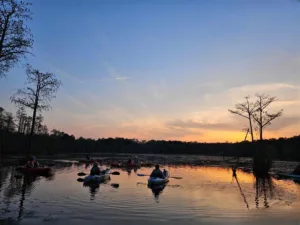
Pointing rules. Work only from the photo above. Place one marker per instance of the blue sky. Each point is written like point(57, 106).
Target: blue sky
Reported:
point(136, 68)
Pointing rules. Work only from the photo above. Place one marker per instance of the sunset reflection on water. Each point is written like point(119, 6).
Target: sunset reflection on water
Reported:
point(205, 194)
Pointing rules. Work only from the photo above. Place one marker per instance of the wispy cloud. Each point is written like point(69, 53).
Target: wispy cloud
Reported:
point(123, 78)
point(112, 72)
point(191, 124)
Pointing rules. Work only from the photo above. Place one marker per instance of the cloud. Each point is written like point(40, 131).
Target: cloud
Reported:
point(284, 122)
point(77, 102)
point(123, 78)
point(191, 124)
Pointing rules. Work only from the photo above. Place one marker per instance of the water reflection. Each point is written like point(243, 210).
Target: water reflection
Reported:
point(16, 186)
point(234, 176)
point(129, 170)
point(94, 188)
point(264, 187)
point(204, 193)
point(157, 190)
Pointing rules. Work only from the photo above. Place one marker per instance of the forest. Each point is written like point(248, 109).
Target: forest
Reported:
point(15, 134)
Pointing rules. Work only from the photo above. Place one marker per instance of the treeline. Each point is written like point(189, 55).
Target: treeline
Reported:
point(14, 140)
point(21, 122)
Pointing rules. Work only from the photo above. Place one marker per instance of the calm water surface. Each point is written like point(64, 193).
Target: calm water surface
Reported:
point(205, 195)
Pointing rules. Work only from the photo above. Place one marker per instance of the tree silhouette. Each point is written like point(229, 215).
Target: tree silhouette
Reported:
point(21, 119)
point(245, 110)
point(261, 116)
point(9, 124)
point(37, 95)
point(15, 36)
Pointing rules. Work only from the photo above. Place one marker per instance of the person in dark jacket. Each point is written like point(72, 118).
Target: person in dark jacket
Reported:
point(157, 173)
point(32, 163)
point(95, 170)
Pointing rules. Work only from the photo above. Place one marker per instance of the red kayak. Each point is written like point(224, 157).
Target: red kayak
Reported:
point(38, 170)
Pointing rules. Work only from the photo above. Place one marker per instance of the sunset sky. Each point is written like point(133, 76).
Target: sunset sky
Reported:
point(164, 69)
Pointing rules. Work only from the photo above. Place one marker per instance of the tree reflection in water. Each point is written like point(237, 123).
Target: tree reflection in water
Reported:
point(234, 176)
point(264, 186)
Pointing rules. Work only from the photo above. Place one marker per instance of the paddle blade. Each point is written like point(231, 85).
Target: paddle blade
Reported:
point(142, 175)
point(115, 173)
point(176, 177)
point(115, 185)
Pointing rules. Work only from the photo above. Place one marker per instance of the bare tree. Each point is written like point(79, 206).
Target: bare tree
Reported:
point(21, 118)
point(15, 36)
point(38, 124)
point(9, 122)
point(27, 125)
point(261, 116)
point(44, 130)
point(245, 110)
point(37, 95)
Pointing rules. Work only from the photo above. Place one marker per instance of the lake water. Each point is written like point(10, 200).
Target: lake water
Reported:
point(205, 195)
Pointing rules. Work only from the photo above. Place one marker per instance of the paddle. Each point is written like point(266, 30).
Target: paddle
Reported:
point(142, 175)
point(113, 173)
point(114, 185)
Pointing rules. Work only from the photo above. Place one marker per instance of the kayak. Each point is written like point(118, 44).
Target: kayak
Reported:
point(38, 170)
point(156, 180)
point(97, 178)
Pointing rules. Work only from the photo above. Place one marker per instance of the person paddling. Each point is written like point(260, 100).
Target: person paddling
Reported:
point(157, 173)
point(95, 169)
point(32, 163)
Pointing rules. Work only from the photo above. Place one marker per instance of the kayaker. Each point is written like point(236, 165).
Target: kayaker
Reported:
point(157, 173)
point(32, 163)
point(95, 169)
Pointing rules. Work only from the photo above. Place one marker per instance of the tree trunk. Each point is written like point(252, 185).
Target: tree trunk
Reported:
point(261, 125)
point(32, 126)
point(4, 33)
point(1, 143)
point(251, 129)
